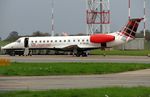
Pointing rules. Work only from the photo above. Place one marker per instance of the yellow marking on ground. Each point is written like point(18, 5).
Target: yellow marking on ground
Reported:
point(4, 62)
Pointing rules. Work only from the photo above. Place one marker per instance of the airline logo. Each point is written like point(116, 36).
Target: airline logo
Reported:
point(34, 45)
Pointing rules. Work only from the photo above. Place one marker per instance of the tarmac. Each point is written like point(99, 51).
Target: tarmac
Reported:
point(70, 58)
point(128, 79)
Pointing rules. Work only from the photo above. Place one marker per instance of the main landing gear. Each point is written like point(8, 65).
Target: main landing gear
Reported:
point(83, 54)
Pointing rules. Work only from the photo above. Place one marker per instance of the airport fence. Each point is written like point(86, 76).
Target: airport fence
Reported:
point(137, 44)
point(147, 45)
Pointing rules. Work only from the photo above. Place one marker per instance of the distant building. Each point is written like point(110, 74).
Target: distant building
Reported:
point(137, 44)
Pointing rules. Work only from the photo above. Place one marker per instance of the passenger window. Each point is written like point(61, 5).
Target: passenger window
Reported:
point(64, 40)
point(68, 40)
point(59, 40)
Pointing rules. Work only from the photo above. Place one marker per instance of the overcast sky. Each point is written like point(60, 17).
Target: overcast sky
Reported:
point(28, 16)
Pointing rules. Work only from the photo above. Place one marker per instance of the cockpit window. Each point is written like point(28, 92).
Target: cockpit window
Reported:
point(18, 41)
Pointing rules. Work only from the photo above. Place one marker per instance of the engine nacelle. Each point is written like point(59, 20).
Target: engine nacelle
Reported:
point(101, 38)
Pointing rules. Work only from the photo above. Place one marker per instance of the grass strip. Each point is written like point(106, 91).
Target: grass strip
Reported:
point(44, 69)
point(101, 92)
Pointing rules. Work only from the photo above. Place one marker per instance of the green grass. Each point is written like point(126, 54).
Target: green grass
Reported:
point(40, 69)
point(3, 43)
point(121, 52)
point(101, 92)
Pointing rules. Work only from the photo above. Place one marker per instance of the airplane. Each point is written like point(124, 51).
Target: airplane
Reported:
point(79, 45)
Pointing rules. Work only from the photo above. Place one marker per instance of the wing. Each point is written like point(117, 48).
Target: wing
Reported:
point(71, 47)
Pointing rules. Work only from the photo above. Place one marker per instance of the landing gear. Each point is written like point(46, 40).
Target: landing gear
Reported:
point(12, 53)
point(83, 54)
point(77, 54)
point(15, 52)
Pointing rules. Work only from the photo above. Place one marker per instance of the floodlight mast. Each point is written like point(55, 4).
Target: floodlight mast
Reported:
point(129, 9)
point(144, 18)
point(144, 11)
point(98, 16)
point(52, 18)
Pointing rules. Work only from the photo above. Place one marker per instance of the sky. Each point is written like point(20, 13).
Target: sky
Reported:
point(28, 16)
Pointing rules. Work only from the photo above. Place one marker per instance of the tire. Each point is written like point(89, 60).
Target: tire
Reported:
point(12, 53)
point(78, 55)
point(84, 55)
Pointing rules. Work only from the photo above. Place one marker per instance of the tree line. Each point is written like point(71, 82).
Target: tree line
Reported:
point(14, 35)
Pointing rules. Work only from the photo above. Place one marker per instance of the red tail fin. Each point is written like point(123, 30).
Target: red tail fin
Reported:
point(130, 29)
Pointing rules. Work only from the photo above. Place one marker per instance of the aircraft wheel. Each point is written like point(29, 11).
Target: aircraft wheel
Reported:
point(78, 54)
point(84, 55)
point(12, 53)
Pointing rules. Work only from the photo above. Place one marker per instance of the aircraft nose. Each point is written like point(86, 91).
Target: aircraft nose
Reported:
point(4, 47)
point(1, 49)
point(8, 46)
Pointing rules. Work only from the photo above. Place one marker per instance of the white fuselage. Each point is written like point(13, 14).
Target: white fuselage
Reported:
point(60, 42)
point(77, 44)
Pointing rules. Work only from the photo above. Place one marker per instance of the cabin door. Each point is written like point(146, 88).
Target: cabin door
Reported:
point(26, 42)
